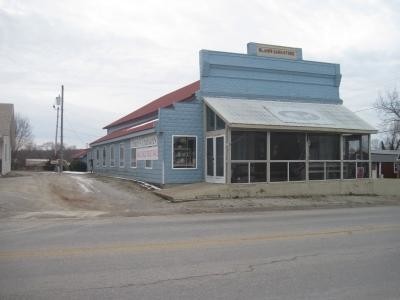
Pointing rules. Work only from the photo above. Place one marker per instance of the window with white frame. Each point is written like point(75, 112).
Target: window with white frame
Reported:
point(104, 155)
point(121, 155)
point(184, 152)
point(112, 156)
point(213, 121)
point(133, 158)
point(148, 164)
point(6, 152)
point(97, 157)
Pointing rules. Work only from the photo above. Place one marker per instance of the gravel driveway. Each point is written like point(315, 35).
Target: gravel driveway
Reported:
point(30, 194)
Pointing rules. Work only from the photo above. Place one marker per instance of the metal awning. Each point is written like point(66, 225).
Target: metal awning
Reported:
point(280, 115)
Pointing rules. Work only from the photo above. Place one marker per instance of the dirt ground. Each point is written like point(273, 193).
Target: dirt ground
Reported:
point(47, 195)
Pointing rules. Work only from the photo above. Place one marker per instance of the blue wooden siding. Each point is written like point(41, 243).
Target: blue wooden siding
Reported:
point(242, 75)
point(139, 173)
point(181, 119)
point(184, 118)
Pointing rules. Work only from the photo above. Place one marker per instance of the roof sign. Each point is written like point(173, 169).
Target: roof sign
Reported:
point(274, 51)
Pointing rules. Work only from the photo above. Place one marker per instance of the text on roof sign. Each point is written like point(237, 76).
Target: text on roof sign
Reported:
point(277, 52)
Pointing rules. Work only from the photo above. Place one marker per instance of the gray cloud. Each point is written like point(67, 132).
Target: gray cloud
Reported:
point(114, 57)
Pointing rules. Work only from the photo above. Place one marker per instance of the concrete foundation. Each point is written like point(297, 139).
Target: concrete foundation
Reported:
point(200, 191)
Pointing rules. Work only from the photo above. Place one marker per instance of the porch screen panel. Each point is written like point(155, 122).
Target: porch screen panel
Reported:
point(288, 146)
point(258, 172)
point(316, 171)
point(240, 173)
point(324, 147)
point(279, 171)
point(249, 145)
point(355, 147)
point(356, 155)
point(297, 171)
point(333, 170)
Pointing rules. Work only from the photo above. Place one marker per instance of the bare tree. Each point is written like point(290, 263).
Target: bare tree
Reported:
point(391, 140)
point(389, 104)
point(375, 144)
point(389, 107)
point(23, 132)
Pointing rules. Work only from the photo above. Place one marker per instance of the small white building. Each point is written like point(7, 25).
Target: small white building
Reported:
point(7, 136)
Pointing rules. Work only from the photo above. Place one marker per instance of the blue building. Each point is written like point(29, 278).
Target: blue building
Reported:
point(264, 116)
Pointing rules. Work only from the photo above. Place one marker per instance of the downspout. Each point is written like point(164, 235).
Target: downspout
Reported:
point(163, 149)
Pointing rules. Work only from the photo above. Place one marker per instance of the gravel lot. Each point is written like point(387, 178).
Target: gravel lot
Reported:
point(26, 195)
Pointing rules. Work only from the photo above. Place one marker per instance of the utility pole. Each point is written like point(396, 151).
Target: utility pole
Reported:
point(62, 131)
point(57, 106)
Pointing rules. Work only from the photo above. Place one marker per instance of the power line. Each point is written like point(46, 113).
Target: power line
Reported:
point(75, 133)
point(364, 109)
point(81, 132)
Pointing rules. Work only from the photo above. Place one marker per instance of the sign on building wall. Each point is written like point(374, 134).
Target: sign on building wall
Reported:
point(276, 51)
point(144, 141)
point(146, 147)
point(147, 153)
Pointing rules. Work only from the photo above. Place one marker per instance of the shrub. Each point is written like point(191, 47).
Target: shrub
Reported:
point(77, 165)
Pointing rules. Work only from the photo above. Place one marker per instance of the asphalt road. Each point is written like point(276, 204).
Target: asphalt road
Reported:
point(318, 254)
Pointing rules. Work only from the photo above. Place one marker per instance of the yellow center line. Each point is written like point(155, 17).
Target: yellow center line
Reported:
point(188, 244)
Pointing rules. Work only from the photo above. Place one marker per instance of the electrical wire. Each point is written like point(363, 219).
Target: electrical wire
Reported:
point(364, 109)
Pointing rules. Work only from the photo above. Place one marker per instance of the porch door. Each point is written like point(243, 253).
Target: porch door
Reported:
point(215, 163)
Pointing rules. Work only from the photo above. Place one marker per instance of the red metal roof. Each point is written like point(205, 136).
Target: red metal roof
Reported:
point(179, 95)
point(126, 131)
point(79, 153)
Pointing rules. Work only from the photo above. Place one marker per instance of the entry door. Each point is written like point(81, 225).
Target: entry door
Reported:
point(215, 163)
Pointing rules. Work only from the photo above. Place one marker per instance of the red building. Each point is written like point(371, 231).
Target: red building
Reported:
point(385, 163)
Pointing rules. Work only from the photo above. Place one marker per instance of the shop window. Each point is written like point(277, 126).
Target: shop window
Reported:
point(248, 145)
point(148, 164)
point(278, 172)
point(287, 146)
point(316, 171)
point(258, 172)
point(333, 170)
point(324, 147)
point(214, 122)
point(121, 155)
point(133, 158)
point(349, 170)
point(297, 171)
point(240, 173)
point(104, 156)
point(356, 147)
point(112, 156)
point(184, 152)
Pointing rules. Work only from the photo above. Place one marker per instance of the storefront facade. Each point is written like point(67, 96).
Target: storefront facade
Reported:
point(265, 116)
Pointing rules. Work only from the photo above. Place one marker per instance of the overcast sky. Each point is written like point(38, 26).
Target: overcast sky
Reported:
point(115, 56)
